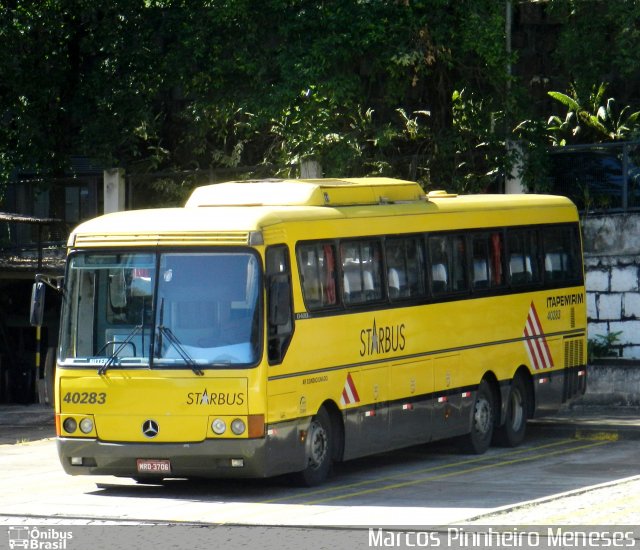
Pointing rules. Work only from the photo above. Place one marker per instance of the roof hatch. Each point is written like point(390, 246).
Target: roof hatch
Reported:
point(308, 192)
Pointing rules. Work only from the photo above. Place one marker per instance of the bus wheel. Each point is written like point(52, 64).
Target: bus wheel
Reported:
point(512, 432)
point(319, 450)
point(477, 441)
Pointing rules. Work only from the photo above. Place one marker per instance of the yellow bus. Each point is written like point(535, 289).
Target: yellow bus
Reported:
point(279, 326)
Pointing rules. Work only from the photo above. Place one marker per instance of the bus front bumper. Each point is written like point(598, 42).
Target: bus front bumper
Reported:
point(276, 454)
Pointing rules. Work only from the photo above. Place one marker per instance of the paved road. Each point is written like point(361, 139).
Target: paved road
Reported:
point(425, 485)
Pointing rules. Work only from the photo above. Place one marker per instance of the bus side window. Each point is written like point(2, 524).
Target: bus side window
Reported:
point(459, 262)
point(487, 254)
point(480, 262)
point(438, 278)
point(362, 271)
point(523, 257)
point(405, 265)
point(520, 268)
point(439, 261)
point(279, 303)
point(560, 255)
point(316, 263)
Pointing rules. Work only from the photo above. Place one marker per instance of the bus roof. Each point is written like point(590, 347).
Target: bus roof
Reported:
point(332, 192)
point(233, 210)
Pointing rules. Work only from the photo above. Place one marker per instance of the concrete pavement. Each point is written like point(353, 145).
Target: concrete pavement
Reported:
point(585, 475)
point(21, 423)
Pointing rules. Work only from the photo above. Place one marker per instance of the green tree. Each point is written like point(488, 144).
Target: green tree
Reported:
point(597, 41)
point(171, 85)
point(480, 145)
point(593, 119)
point(81, 80)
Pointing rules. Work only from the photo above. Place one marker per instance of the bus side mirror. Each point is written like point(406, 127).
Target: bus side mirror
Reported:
point(279, 300)
point(36, 314)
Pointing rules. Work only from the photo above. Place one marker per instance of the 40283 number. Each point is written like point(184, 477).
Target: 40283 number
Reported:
point(85, 398)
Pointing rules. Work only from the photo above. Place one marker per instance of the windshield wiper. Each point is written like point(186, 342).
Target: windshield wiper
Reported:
point(173, 340)
point(184, 355)
point(118, 348)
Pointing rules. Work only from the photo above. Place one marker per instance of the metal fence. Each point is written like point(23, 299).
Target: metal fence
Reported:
point(598, 177)
point(31, 244)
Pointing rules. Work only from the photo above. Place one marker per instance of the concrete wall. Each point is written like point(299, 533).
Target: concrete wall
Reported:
point(612, 262)
point(612, 383)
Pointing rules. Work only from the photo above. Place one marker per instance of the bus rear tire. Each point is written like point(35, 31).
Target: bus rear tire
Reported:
point(477, 441)
point(512, 432)
point(319, 450)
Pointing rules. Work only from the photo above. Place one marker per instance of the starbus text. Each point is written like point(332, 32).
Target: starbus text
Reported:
point(377, 340)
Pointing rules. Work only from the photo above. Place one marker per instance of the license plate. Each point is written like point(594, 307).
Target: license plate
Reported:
point(153, 466)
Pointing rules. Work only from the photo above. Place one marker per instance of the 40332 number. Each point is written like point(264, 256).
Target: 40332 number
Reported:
point(85, 398)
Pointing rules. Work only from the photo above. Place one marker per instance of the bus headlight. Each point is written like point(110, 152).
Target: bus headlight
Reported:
point(238, 426)
point(86, 425)
point(219, 426)
point(70, 425)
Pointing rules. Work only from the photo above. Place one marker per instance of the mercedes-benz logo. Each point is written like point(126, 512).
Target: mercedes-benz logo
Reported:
point(150, 428)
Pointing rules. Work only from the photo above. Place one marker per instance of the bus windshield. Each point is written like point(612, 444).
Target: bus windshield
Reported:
point(171, 309)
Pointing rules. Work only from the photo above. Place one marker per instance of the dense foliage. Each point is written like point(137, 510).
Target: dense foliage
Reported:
point(408, 88)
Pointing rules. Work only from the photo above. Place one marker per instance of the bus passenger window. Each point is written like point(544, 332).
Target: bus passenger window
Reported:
point(480, 254)
point(438, 278)
point(480, 273)
point(316, 263)
point(487, 254)
point(362, 273)
point(405, 265)
point(555, 265)
point(396, 280)
point(523, 254)
point(459, 263)
point(520, 268)
point(560, 245)
point(439, 261)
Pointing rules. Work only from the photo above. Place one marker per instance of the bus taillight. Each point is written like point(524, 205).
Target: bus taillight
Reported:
point(256, 425)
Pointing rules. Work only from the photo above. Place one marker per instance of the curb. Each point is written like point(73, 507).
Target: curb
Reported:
point(503, 511)
point(579, 430)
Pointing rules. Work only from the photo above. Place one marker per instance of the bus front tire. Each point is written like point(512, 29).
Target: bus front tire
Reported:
point(512, 432)
point(319, 450)
point(477, 441)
